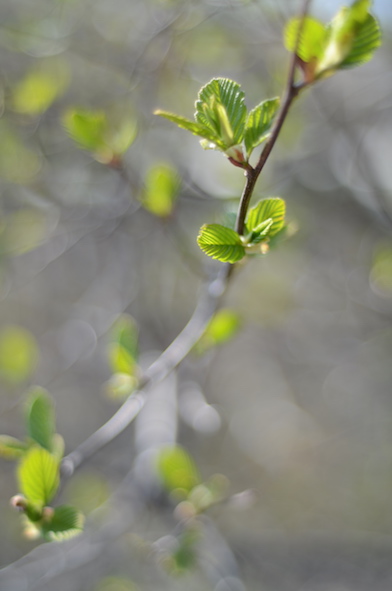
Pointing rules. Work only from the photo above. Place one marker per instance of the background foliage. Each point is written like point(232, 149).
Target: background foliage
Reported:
point(296, 411)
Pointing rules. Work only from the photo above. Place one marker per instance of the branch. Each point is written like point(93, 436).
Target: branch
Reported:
point(208, 303)
point(291, 92)
point(158, 370)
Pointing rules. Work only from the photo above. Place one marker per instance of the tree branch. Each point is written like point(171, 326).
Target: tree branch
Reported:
point(291, 92)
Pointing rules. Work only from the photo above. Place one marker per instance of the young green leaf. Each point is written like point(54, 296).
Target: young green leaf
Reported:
point(41, 418)
point(221, 108)
point(86, 128)
point(261, 231)
point(176, 469)
point(123, 348)
point(222, 327)
point(312, 39)
point(220, 243)
point(274, 208)
point(38, 476)
point(192, 126)
point(259, 122)
point(11, 448)
point(366, 41)
point(66, 522)
point(352, 37)
point(161, 189)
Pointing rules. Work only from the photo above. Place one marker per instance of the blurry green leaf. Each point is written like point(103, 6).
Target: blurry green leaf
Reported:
point(366, 41)
point(18, 354)
point(381, 271)
point(160, 190)
point(120, 386)
point(11, 448)
point(66, 522)
point(86, 128)
point(353, 36)
point(259, 123)
point(222, 327)
point(273, 208)
point(121, 135)
point(58, 446)
point(312, 40)
point(220, 243)
point(87, 491)
point(38, 476)
point(185, 556)
point(221, 108)
point(176, 469)
point(116, 584)
point(24, 230)
point(123, 347)
point(18, 163)
point(41, 418)
point(40, 88)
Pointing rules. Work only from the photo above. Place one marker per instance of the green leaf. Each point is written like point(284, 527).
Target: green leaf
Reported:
point(176, 469)
point(18, 354)
point(221, 108)
point(40, 88)
point(66, 522)
point(123, 348)
point(353, 36)
point(220, 243)
point(11, 448)
point(222, 327)
point(192, 126)
point(86, 128)
point(41, 418)
point(261, 231)
point(38, 475)
point(366, 41)
point(274, 208)
point(161, 189)
point(259, 123)
point(312, 40)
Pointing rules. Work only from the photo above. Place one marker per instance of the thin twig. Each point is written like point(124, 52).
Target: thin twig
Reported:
point(291, 92)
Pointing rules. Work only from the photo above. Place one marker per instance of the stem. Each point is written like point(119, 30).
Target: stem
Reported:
point(291, 92)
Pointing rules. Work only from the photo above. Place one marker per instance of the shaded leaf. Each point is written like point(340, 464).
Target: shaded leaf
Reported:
point(66, 522)
point(274, 208)
point(161, 190)
point(11, 448)
point(221, 108)
point(176, 469)
point(41, 418)
point(38, 475)
point(259, 123)
point(220, 243)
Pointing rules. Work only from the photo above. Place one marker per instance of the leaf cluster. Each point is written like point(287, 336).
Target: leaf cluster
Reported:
point(223, 122)
point(264, 221)
point(38, 472)
point(349, 40)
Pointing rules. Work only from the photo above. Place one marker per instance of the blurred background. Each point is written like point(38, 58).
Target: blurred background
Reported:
point(296, 410)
